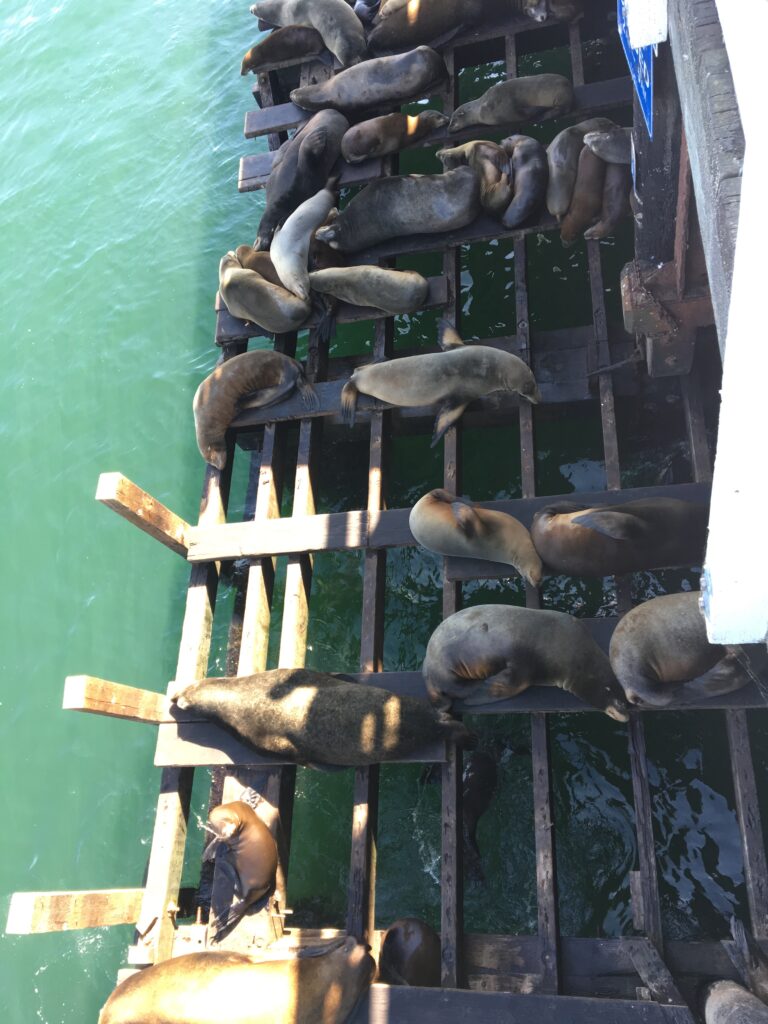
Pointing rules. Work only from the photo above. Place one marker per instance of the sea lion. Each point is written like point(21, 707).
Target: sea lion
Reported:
point(614, 145)
point(394, 291)
point(528, 161)
point(405, 205)
point(314, 718)
point(250, 296)
point(312, 987)
point(661, 655)
point(491, 164)
point(616, 189)
point(246, 853)
point(381, 82)
point(532, 98)
point(450, 379)
point(755, 962)
point(646, 534)
point(263, 377)
point(366, 10)
point(479, 782)
point(402, 24)
point(290, 244)
point(491, 652)
point(294, 42)
point(563, 160)
point(336, 22)
point(410, 954)
point(300, 169)
point(587, 199)
point(390, 133)
point(558, 10)
point(455, 526)
point(251, 259)
point(727, 1002)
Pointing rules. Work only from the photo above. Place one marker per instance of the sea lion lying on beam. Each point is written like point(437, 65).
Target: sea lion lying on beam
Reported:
point(335, 20)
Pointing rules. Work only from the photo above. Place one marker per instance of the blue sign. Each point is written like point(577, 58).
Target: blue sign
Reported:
point(640, 66)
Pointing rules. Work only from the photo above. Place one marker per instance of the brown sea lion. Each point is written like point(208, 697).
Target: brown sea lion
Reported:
point(251, 297)
point(294, 42)
point(450, 379)
point(661, 655)
point(650, 533)
point(402, 24)
point(336, 22)
point(246, 852)
point(528, 161)
point(491, 652)
point(313, 987)
point(563, 160)
point(727, 1002)
point(405, 205)
point(261, 262)
point(616, 189)
point(614, 145)
point(410, 954)
point(479, 782)
point(300, 169)
point(390, 133)
point(290, 243)
point(394, 291)
point(381, 82)
point(587, 199)
point(318, 719)
point(491, 164)
point(263, 377)
point(455, 526)
point(532, 98)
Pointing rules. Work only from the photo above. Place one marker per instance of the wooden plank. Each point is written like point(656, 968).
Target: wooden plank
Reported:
point(31, 913)
point(701, 460)
point(654, 972)
point(132, 503)
point(646, 851)
point(101, 697)
point(603, 358)
point(544, 834)
point(254, 171)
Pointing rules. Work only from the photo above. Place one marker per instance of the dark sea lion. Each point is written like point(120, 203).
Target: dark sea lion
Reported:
point(455, 526)
point(530, 173)
point(208, 988)
point(366, 10)
point(479, 783)
point(727, 1002)
point(264, 378)
point(401, 24)
point(660, 654)
point(491, 164)
point(405, 205)
point(647, 534)
point(563, 159)
point(616, 189)
point(410, 954)
point(491, 652)
point(613, 146)
point(336, 22)
point(389, 133)
point(315, 718)
point(394, 291)
point(250, 296)
point(381, 82)
point(290, 244)
point(587, 199)
point(558, 10)
point(289, 43)
point(246, 852)
point(261, 262)
point(532, 98)
point(755, 962)
point(301, 168)
point(450, 379)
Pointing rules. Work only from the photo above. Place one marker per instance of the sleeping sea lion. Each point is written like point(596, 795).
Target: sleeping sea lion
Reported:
point(410, 954)
point(289, 43)
point(450, 379)
point(661, 655)
point(314, 718)
point(394, 291)
point(558, 10)
point(491, 164)
point(727, 1002)
point(479, 782)
point(587, 199)
point(491, 652)
point(528, 162)
point(246, 853)
point(250, 296)
point(403, 24)
point(455, 526)
point(614, 145)
point(563, 160)
point(251, 259)
point(389, 133)
point(300, 169)
point(312, 986)
point(405, 205)
point(263, 377)
point(290, 244)
point(336, 22)
point(616, 189)
point(532, 98)
point(650, 533)
point(381, 82)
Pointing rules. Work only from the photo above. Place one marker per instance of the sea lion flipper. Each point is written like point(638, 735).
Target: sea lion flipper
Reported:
point(615, 524)
point(307, 392)
point(310, 150)
point(212, 849)
point(724, 677)
point(349, 395)
point(449, 337)
point(466, 517)
point(450, 413)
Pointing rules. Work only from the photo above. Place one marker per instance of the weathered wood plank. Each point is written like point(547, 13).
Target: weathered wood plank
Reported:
point(544, 835)
point(646, 850)
point(132, 503)
point(101, 697)
point(36, 912)
point(654, 972)
point(254, 170)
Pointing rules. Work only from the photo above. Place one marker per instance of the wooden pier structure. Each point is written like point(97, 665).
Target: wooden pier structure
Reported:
point(548, 977)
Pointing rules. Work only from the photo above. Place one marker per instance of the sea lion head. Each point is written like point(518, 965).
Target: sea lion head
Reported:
point(225, 822)
point(228, 262)
point(330, 232)
point(460, 118)
point(536, 9)
point(612, 700)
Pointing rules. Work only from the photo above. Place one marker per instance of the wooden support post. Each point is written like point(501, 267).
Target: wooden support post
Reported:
point(101, 697)
point(141, 509)
point(35, 912)
point(653, 972)
point(646, 852)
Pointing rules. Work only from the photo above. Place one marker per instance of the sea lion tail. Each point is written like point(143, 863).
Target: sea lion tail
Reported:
point(457, 732)
point(349, 395)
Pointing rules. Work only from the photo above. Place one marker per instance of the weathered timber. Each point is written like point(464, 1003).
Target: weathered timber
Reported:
point(141, 509)
point(101, 697)
point(646, 850)
point(544, 829)
point(36, 912)
point(654, 972)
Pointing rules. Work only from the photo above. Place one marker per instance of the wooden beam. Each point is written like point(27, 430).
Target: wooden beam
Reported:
point(748, 808)
point(654, 972)
point(35, 912)
point(132, 503)
point(646, 849)
point(101, 697)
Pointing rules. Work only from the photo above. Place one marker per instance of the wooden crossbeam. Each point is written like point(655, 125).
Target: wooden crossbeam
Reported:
point(130, 501)
point(101, 697)
point(35, 912)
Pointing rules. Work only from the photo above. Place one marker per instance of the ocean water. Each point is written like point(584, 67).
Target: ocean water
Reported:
point(118, 196)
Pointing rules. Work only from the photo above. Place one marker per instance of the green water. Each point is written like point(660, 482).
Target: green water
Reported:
point(120, 146)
